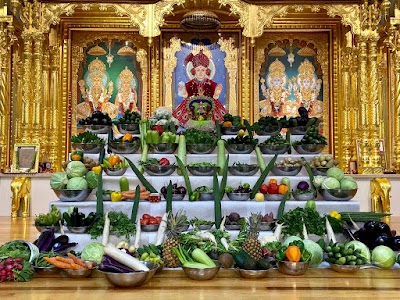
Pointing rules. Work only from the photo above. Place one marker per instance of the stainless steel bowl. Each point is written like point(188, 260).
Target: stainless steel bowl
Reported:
point(270, 130)
point(81, 273)
point(286, 170)
point(163, 148)
point(253, 274)
point(96, 128)
point(115, 171)
point(120, 147)
point(133, 279)
point(88, 148)
point(298, 130)
point(243, 169)
point(175, 197)
point(240, 148)
point(319, 171)
point(293, 268)
point(72, 195)
point(274, 149)
point(273, 197)
point(128, 128)
point(232, 227)
point(344, 268)
point(202, 170)
point(238, 196)
point(185, 227)
point(205, 226)
point(201, 274)
point(150, 227)
point(106, 197)
point(80, 229)
point(156, 170)
point(266, 226)
point(200, 148)
point(337, 195)
point(231, 130)
point(304, 196)
point(206, 196)
point(42, 228)
point(32, 248)
point(46, 270)
point(309, 148)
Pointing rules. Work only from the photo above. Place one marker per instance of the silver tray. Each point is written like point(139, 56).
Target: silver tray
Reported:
point(243, 170)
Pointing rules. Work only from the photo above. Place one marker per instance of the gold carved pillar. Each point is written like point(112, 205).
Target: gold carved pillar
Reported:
point(396, 57)
point(346, 142)
point(26, 107)
point(37, 96)
point(364, 122)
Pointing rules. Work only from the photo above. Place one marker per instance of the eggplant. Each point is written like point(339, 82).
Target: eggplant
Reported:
point(113, 269)
point(381, 240)
point(395, 243)
point(62, 247)
point(45, 240)
point(370, 226)
point(382, 227)
point(109, 261)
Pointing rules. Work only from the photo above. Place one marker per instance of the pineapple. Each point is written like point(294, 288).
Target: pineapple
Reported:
point(252, 245)
point(175, 224)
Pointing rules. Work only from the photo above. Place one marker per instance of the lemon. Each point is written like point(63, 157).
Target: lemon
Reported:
point(241, 133)
point(259, 197)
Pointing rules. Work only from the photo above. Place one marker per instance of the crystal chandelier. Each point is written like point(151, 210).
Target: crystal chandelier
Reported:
point(200, 21)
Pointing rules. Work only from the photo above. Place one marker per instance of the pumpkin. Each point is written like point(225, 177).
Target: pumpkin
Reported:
point(77, 156)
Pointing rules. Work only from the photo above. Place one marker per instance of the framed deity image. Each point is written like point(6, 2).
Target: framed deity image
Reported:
point(201, 77)
point(25, 158)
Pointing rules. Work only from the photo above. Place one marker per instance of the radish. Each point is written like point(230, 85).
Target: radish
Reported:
point(138, 232)
point(224, 243)
point(329, 231)
point(106, 230)
point(161, 230)
point(124, 258)
point(206, 235)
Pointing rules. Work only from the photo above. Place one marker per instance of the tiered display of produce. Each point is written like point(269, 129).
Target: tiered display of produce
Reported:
point(202, 201)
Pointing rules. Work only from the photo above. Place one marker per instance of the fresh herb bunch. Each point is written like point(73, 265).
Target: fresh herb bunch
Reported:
point(40, 262)
point(87, 137)
point(315, 224)
point(195, 136)
point(52, 218)
point(15, 249)
point(120, 225)
point(197, 221)
point(266, 124)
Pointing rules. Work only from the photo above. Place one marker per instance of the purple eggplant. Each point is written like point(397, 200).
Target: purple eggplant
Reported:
point(63, 247)
point(46, 240)
point(109, 261)
point(114, 269)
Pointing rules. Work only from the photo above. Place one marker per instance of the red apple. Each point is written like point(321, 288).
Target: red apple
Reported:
point(264, 188)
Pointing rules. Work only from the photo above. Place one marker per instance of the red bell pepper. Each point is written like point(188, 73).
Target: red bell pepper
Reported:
point(158, 128)
point(163, 162)
point(273, 188)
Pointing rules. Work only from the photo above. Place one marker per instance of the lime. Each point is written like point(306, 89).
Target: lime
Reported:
point(241, 133)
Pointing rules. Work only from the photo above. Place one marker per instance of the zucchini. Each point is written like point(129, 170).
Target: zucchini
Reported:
point(221, 156)
point(140, 176)
point(260, 159)
point(264, 175)
point(182, 151)
point(218, 127)
point(240, 257)
point(224, 178)
point(99, 195)
point(217, 201)
point(124, 184)
point(184, 173)
point(135, 206)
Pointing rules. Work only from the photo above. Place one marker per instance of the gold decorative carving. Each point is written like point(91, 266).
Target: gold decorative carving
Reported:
point(170, 62)
point(350, 15)
point(380, 195)
point(21, 194)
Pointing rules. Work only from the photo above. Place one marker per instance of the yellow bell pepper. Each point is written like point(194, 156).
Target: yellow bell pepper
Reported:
point(116, 196)
point(127, 137)
point(97, 169)
point(335, 214)
point(293, 253)
point(283, 188)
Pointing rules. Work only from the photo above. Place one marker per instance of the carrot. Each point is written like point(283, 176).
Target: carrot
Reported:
point(142, 189)
point(131, 195)
point(89, 265)
point(64, 259)
point(77, 260)
point(56, 263)
point(75, 266)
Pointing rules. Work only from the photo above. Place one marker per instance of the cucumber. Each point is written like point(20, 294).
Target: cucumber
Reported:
point(182, 151)
point(240, 257)
point(221, 156)
point(217, 201)
point(99, 195)
point(124, 184)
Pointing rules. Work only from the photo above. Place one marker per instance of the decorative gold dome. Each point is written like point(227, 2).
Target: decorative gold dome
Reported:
point(200, 21)
point(97, 51)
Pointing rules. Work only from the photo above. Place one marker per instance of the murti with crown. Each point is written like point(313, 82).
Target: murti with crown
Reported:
point(200, 93)
point(127, 97)
point(95, 92)
point(276, 94)
point(307, 89)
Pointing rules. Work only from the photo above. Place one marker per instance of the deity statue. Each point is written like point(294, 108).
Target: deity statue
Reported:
point(200, 93)
point(126, 98)
point(276, 95)
point(97, 92)
point(307, 88)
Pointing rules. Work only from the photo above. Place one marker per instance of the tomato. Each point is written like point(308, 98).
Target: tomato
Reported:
point(144, 221)
point(264, 188)
point(153, 221)
point(146, 216)
point(158, 218)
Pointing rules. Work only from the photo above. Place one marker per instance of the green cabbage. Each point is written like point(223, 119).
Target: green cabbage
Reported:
point(383, 257)
point(93, 252)
point(290, 239)
point(76, 169)
point(92, 179)
point(77, 183)
point(347, 184)
point(347, 177)
point(330, 183)
point(317, 254)
point(359, 245)
point(59, 180)
point(318, 181)
point(335, 173)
